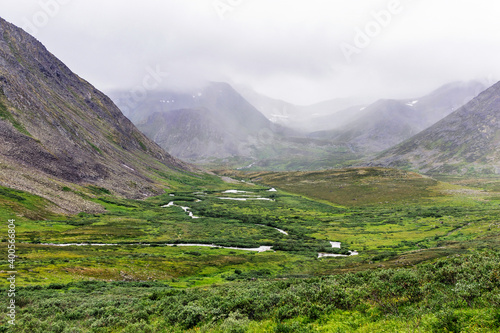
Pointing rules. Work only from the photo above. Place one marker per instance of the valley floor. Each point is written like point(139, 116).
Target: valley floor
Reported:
point(262, 254)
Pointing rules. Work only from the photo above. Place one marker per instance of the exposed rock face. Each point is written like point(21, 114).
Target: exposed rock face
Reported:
point(468, 138)
point(60, 129)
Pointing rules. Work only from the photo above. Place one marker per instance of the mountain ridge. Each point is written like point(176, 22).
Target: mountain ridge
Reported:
point(465, 140)
point(388, 122)
point(213, 122)
point(61, 130)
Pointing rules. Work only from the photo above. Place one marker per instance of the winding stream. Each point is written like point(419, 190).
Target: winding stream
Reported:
point(244, 199)
point(337, 245)
point(186, 209)
point(257, 249)
point(351, 253)
point(282, 231)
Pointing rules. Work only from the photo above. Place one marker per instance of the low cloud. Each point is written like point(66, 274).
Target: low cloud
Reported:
point(286, 49)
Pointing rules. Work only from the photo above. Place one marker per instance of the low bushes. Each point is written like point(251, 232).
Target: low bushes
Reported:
point(452, 294)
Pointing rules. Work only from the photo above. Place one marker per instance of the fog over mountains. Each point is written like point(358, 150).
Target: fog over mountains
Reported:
point(307, 118)
point(210, 123)
point(213, 125)
point(217, 124)
point(386, 123)
point(467, 140)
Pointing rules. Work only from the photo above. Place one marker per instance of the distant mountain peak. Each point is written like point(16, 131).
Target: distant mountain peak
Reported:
point(467, 139)
point(388, 122)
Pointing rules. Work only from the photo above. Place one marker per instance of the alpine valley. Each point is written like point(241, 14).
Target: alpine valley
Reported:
point(228, 211)
point(215, 126)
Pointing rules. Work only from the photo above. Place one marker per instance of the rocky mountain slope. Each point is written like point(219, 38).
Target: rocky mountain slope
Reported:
point(382, 125)
point(446, 99)
point(386, 123)
point(467, 140)
point(214, 122)
point(58, 132)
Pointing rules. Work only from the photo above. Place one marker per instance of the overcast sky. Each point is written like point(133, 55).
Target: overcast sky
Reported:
point(297, 50)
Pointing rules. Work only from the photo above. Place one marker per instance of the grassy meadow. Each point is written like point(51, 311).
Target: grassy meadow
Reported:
point(428, 255)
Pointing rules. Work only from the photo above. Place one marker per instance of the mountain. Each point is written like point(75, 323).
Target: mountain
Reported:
point(467, 140)
point(276, 110)
point(307, 118)
point(383, 124)
point(216, 126)
point(386, 123)
point(214, 122)
point(336, 120)
point(60, 135)
point(446, 99)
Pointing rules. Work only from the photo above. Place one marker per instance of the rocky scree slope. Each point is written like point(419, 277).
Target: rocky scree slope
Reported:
point(57, 130)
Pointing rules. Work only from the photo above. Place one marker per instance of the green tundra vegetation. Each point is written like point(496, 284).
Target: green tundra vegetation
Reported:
point(427, 260)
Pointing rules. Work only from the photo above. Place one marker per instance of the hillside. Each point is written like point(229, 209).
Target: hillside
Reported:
point(388, 122)
point(382, 125)
point(59, 132)
point(446, 99)
point(465, 141)
point(214, 123)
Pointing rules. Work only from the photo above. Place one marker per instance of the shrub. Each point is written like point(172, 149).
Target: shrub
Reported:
point(447, 321)
point(235, 323)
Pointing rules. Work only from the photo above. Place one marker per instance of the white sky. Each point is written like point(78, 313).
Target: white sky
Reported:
point(288, 49)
